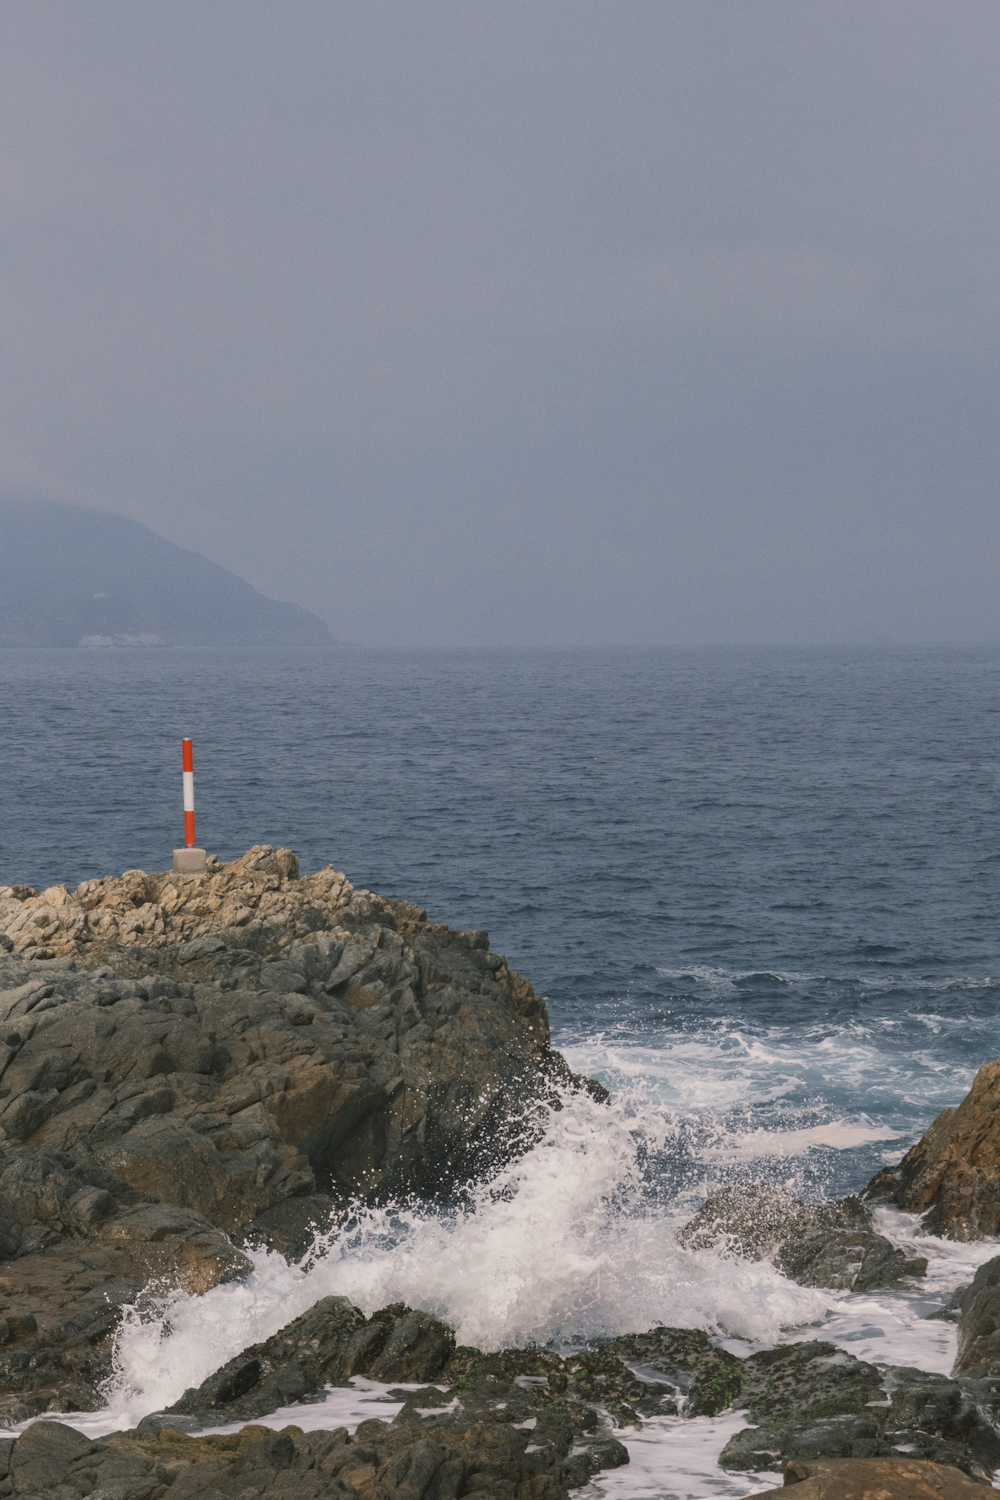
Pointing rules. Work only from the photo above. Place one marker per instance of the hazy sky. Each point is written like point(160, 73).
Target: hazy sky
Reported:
point(530, 323)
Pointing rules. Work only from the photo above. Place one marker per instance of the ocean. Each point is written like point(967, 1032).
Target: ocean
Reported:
point(758, 888)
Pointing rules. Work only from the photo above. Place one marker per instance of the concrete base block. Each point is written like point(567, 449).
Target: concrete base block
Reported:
point(190, 862)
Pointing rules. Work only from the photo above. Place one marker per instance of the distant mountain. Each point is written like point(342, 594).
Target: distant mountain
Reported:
point(70, 576)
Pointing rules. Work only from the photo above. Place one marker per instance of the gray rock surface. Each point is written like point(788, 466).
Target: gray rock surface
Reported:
point(979, 1323)
point(816, 1244)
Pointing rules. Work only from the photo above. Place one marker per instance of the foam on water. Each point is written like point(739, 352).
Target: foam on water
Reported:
point(573, 1242)
point(568, 1244)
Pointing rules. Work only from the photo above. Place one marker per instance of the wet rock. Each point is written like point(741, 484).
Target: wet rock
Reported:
point(291, 1227)
point(830, 1244)
point(418, 1347)
point(806, 1382)
point(325, 1346)
point(61, 1305)
point(950, 1175)
point(591, 1378)
point(936, 1405)
point(979, 1323)
point(703, 1378)
point(667, 1350)
point(495, 1459)
point(568, 1436)
point(813, 1400)
point(769, 1448)
point(718, 1381)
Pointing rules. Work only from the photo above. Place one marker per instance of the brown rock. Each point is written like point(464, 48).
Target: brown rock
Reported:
point(952, 1175)
point(874, 1479)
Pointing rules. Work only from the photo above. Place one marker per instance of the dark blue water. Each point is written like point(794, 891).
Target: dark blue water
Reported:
point(767, 882)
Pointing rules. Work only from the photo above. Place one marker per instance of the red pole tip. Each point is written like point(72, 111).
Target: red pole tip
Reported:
point(187, 755)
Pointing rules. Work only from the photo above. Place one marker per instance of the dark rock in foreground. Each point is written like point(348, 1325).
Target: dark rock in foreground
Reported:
point(488, 1457)
point(807, 1400)
point(950, 1176)
point(816, 1244)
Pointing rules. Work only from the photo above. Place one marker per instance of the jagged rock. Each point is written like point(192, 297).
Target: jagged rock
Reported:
point(593, 1377)
point(336, 1043)
point(242, 1054)
point(950, 1176)
point(979, 1323)
point(558, 1421)
point(816, 1244)
point(325, 1346)
point(60, 1307)
point(486, 1458)
point(667, 1350)
point(334, 1341)
point(885, 1478)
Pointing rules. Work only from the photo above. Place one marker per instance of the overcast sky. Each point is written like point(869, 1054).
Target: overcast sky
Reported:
point(537, 323)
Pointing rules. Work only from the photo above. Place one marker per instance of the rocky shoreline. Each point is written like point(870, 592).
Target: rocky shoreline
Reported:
point(193, 1066)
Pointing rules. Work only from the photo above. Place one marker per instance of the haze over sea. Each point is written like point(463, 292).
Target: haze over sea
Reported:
point(758, 887)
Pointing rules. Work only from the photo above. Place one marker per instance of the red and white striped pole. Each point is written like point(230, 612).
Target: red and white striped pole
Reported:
point(187, 758)
point(189, 860)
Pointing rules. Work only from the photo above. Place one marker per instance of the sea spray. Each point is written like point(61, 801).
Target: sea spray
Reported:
point(567, 1244)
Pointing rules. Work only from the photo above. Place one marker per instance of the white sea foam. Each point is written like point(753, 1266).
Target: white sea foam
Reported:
point(568, 1244)
point(838, 1135)
point(573, 1242)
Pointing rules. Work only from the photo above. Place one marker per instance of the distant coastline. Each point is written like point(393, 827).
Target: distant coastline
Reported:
point(77, 577)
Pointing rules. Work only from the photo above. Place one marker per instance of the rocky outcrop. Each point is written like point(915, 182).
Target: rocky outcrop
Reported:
point(816, 1244)
point(190, 1061)
point(495, 1456)
point(952, 1175)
